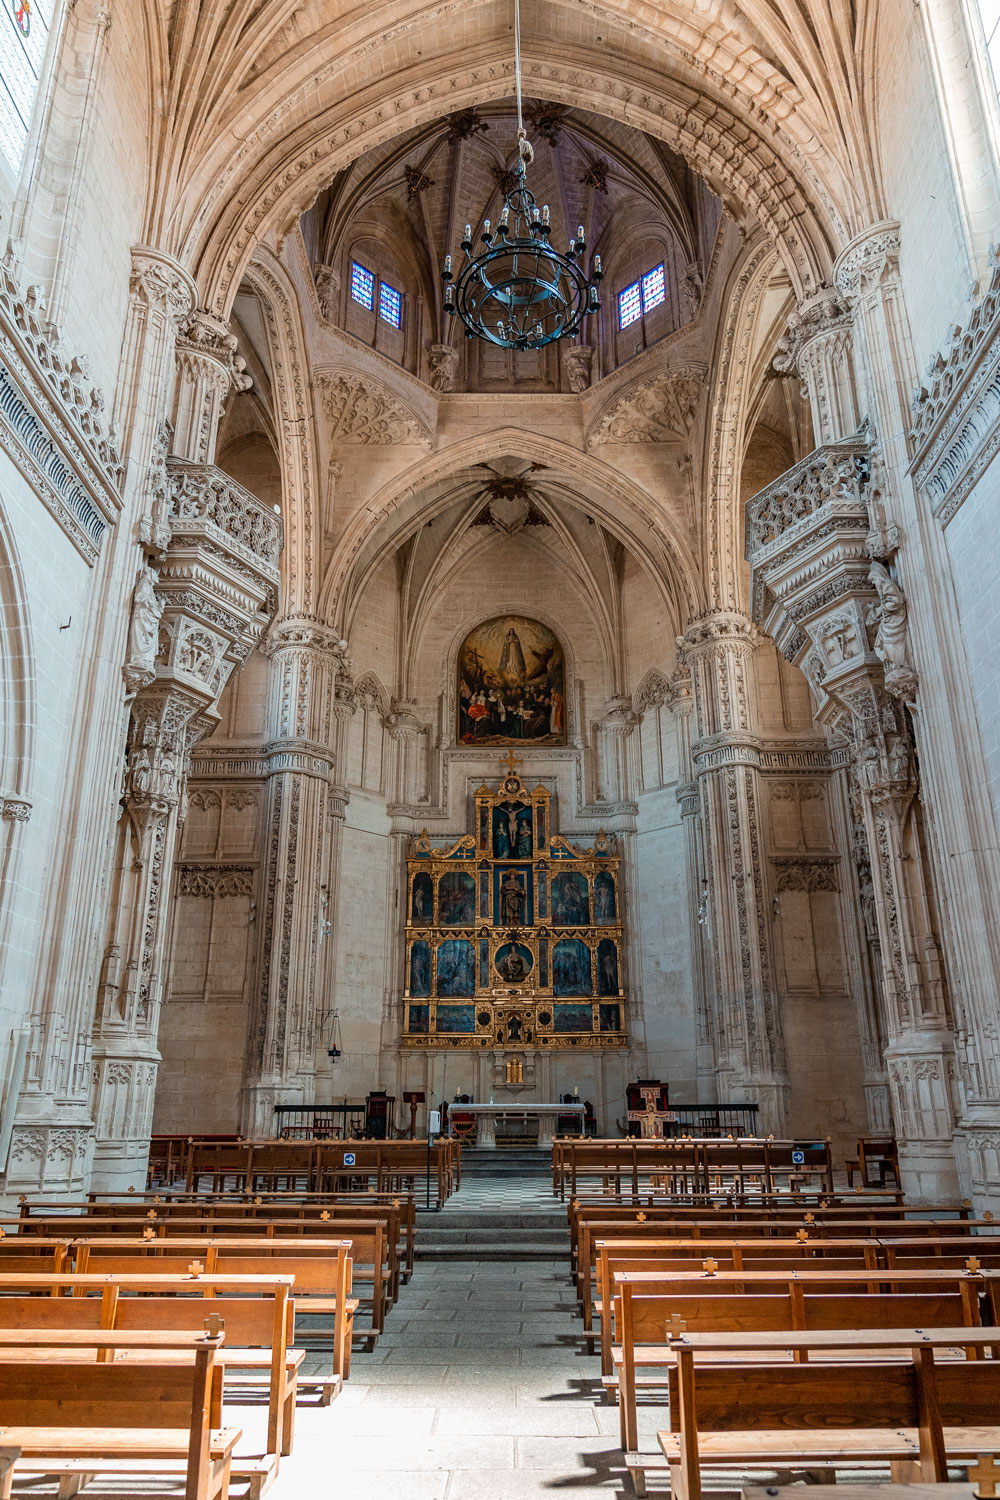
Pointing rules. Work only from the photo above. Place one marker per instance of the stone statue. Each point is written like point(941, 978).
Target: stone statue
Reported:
point(443, 362)
point(891, 639)
point(147, 608)
point(327, 288)
point(578, 359)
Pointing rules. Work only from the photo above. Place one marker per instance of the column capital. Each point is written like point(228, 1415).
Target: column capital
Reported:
point(306, 633)
point(727, 628)
point(863, 263)
point(162, 283)
point(821, 313)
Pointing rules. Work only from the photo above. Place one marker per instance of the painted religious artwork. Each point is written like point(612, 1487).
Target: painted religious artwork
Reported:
point(420, 970)
point(514, 932)
point(605, 903)
point(571, 968)
point(511, 686)
point(512, 833)
point(514, 963)
point(570, 899)
point(422, 900)
point(456, 899)
point(456, 969)
point(607, 967)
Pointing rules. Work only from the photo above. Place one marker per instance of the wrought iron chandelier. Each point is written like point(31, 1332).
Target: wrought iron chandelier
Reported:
point(519, 292)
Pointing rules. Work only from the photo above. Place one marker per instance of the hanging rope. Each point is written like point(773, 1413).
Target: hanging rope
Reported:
point(524, 147)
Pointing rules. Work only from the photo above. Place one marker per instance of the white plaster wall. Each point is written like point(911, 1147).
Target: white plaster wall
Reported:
point(919, 186)
point(971, 540)
point(664, 941)
point(57, 586)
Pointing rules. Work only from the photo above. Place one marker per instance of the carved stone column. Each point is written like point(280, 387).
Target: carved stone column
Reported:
point(843, 620)
point(193, 621)
point(749, 1048)
point(689, 797)
point(285, 1032)
point(53, 1137)
point(819, 347)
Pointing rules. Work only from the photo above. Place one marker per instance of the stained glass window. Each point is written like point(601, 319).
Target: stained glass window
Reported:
point(654, 288)
point(629, 305)
point(24, 31)
point(989, 11)
point(390, 304)
point(362, 285)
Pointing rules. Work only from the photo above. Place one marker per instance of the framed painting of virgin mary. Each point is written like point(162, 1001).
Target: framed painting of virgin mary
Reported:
point(511, 684)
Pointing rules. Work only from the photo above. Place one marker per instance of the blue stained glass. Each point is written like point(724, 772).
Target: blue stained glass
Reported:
point(390, 304)
point(629, 305)
point(362, 285)
point(654, 288)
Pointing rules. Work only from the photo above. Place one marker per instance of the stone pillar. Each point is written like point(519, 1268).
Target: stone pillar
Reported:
point(53, 1139)
point(190, 628)
point(749, 1049)
point(842, 619)
point(284, 1035)
point(208, 369)
point(689, 797)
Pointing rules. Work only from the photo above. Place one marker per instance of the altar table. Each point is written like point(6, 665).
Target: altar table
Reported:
point(487, 1115)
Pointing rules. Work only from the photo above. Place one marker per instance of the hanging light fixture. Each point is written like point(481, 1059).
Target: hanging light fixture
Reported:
point(517, 291)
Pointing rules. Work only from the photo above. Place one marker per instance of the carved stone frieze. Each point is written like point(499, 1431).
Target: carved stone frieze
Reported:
point(867, 260)
point(578, 360)
point(52, 421)
point(359, 411)
point(662, 410)
point(162, 284)
point(216, 881)
point(956, 414)
point(15, 809)
point(805, 873)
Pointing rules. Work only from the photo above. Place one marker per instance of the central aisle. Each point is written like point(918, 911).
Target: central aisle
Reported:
point(478, 1390)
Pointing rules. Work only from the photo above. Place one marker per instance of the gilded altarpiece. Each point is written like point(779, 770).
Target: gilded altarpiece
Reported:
point(513, 934)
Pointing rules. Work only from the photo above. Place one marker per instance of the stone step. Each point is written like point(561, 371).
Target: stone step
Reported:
point(447, 1236)
point(483, 1253)
point(542, 1222)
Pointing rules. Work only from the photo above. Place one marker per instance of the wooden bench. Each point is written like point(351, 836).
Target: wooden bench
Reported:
point(373, 1251)
point(913, 1413)
point(648, 1316)
point(624, 1256)
point(74, 1417)
point(322, 1270)
point(257, 1311)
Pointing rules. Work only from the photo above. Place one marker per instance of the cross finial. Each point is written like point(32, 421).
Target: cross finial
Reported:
point(325, 1214)
point(510, 761)
point(988, 1216)
point(985, 1471)
point(972, 1265)
point(801, 1235)
point(640, 1218)
point(151, 1214)
point(149, 1232)
point(710, 1265)
point(676, 1325)
point(810, 1218)
point(196, 1267)
point(214, 1325)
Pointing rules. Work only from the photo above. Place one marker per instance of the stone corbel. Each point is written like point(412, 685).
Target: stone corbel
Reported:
point(208, 368)
point(818, 348)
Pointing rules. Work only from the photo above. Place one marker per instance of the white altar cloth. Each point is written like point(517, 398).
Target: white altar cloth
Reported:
point(487, 1115)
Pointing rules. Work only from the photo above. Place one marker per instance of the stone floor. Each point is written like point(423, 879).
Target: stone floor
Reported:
point(477, 1391)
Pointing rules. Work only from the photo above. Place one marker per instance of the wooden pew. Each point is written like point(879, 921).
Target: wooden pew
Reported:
point(75, 1418)
point(647, 1316)
point(916, 1412)
point(375, 1239)
point(678, 1256)
point(322, 1270)
point(691, 1165)
point(257, 1311)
